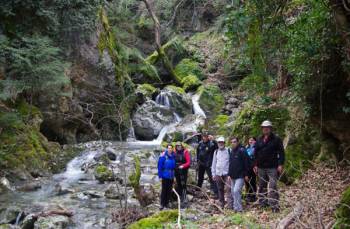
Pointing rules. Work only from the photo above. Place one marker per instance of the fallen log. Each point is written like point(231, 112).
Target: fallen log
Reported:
point(291, 217)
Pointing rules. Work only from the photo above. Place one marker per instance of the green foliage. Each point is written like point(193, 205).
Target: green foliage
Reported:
point(211, 99)
point(188, 67)
point(250, 118)
point(158, 220)
point(175, 89)
point(147, 90)
point(33, 65)
point(190, 83)
point(134, 178)
point(219, 125)
point(343, 211)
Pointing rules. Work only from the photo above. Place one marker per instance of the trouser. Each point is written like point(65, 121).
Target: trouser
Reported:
point(204, 169)
point(181, 182)
point(251, 186)
point(236, 191)
point(224, 189)
point(268, 194)
point(165, 195)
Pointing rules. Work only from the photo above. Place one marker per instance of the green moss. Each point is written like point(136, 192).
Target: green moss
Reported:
point(103, 173)
point(134, 178)
point(190, 82)
point(211, 99)
point(147, 90)
point(250, 118)
point(242, 220)
point(343, 211)
point(188, 67)
point(158, 220)
point(174, 45)
point(219, 125)
point(175, 89)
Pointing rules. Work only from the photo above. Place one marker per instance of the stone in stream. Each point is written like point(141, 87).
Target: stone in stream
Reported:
point(52, 222)
point(93, 194)
point(113, 193)
point(111, 153)
point(10, 214)
point(5, 185)
point(28, 222)
point(29, 187)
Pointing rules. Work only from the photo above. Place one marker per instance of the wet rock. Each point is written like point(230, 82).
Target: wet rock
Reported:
point(148, 179)
point(28, 222)
point(111, 153)
point(29, 187)
point(102, 173)
point(175, 98)
point(5, 185)
point(93, 194)
point(60, 191)
point(185, 128)
point(52, 222)
point(9, 215)
point(113, 193)
point(150, 118)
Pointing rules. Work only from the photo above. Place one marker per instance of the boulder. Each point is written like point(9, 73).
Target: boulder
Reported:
point(29, 187)
point(5, 185)
point(176, 99)
point(102, 173)
point(186, 128)
point(150, 118)
point(9, 215)
point(52, 222)
point(28, 222)
point(111, 153)
point(211, 99)
point(113, 193)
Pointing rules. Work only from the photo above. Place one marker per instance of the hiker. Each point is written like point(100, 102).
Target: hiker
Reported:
point(250, 185)
point(237, 172)
point(219, 169)
point(212, 139)
point(166, 167)
point(269, 154)
point(205, 152)
point(183, 162)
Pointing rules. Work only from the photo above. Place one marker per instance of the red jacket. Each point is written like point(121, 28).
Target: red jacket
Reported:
point(184, 162)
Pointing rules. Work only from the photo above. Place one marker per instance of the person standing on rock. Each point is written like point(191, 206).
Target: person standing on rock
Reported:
point(166, 172)
point(205, 152)
point(250, 185)
point(269, 154)
point(220, 169)
point(183, 162)
point(238, 172)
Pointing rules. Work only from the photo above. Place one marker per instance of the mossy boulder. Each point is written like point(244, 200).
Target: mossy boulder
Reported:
point(158, 220)
point(22, 146)
point(343, 211)
point(211, 99)
point(144, 92)
point(188, 67)
point(250, 118)
point(190, 82)
point(102, 173)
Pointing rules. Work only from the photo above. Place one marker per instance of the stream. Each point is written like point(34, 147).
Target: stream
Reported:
point(77, 190)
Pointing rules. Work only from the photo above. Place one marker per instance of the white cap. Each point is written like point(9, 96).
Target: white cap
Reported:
point(221, 139)
point(266, 123)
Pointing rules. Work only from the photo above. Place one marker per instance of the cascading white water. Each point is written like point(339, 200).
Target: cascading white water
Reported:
point(73, 171)
point(163, 99)
point(196, 108)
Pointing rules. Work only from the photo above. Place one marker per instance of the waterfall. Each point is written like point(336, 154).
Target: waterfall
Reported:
point(196, 108)
point(163, 99)
point(131, 134)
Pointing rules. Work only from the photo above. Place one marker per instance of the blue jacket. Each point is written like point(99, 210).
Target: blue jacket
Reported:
point(166, 166)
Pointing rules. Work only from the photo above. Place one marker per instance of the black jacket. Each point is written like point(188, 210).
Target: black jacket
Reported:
point(269, 154)
point(205, 153)
point(238, 163)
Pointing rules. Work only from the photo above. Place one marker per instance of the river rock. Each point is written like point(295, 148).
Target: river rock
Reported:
point(9, 215)
point(28, 222)
point(52, 222)
point(29, 187)
point(150, 118)
point(112, 192)
point(93, 194)
point(186, 128)
point(5, 185)
point(111, 153)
